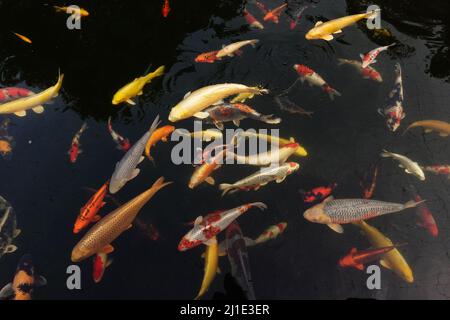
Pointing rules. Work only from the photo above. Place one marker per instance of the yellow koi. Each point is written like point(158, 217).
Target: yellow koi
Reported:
point(300, 152)
point(71, 10)
point(23, 38)
point(134, 88)
point(211, 266)
point(443, 128)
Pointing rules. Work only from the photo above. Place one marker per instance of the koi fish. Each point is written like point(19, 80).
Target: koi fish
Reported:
point(270, 233)
point(159, 134)
point(207, 57)
point(315, 79)
point(274, 15)
point(369, 190)
point(135, 88)
point(75, 147)
point(122, 143)
point(20, 106)
point(206, 135)
point(410, 166)
point(99, 238)
point(194, 103)
point(7, 142)
point(252, 21)
point(101, 262)
point(12, 93)
point(236, 112)
point(165, 9)
point(242, 97)
point(296, 17)
point(357, 259)
point(392, 260)
point(126, 168)
point(261, 178)
point(366, 72)
point(426, 217)
point(261, 6)
point(325, 30)
point(8, 228)
point(287, 105)
point(370, 57)
point(23, 38)
point(300, 152)
point(89, 213)
point(271, 157)
point(203, 172)
point(334, 212)
point(206, 228)
point(148, 230)
point(211, 267)
point(317, 194)
point(78, 12)
point(439, 169)
point(231, 49)
point(24, 283)
point(394, 113)
point(239, 261)
point(442, 127)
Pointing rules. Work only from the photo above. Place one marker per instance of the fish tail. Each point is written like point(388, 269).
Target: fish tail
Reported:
point(270, 119)
point(225, 187)
point(260, 205)
point(157, 73)
point(385, 154)
point(413, 204)
point(259, 90)
point(159, 184)
point(331, 92)
point(154, 125)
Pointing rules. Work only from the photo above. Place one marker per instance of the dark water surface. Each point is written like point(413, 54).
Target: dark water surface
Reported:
point(344, 138)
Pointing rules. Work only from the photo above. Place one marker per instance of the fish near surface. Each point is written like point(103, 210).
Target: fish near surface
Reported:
point(211, 267)
point(392, 260)
point(20, 106)
point(135, 88)
point(357, 259)
point(314, 79)
point(275, 156)
point(410, 166)
point(325, 30)
point(334, 212)
point(366, 72)
point(442, 127)
point(75, 146)
point(394, 112)
point(194, 103)
point(126, 168)
point(205, 228)
point(231, 49)
point(252, 21)
point(24, 283)
point(122, 143)
point(239, 261)
point(274, 15)
point(103, 233)
point(160, 134)
point(270, 233)
point(370, 57)
point(8, 228)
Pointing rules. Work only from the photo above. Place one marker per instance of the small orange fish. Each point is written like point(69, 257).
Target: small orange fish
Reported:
point(159, 134)
point(274, 15)
point(207, 57)
point(166, 8)
point(89, 213)
point(369, 190)
point(23, 38)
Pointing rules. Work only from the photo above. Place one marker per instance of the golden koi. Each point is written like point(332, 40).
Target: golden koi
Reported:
point(80, 12)
point(23, 38)
point(134, 88)
point(443, 128)
point(211, 267)
point(300, 152)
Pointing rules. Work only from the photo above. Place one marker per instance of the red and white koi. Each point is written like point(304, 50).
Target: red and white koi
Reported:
point(75, 148)
point(439, 170)
point(296, 17)
point(252, 21)
point(370, 57)
point(101, 262)
point(315, 79)
point(122, 143)
point(206, 228)
point(272, 157)
point(366, 72)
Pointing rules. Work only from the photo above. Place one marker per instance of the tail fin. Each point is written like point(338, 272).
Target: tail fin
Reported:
point(270, 120)
point(260, 205)
point(249, 242)
point(331, 92)
point(385, 154)
point(225, 187)
point(341, 62)
point(154, 125)
point(157, 73)
point(259, 90)
point(413, 204)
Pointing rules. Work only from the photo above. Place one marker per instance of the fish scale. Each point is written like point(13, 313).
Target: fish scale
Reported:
point(345, 211)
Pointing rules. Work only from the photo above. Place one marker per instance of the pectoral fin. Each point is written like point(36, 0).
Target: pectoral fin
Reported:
point(108, 249)
point(131, 102)
point(38, 109)
point(328, 37)
point(210, 180)
point(219, 125)
point(443, 134)
point(134, 174)
point(201, 115)
point(359, 267)
point(20, 113)
point(385, 264)
point(338, 31)
point(336, 227)
point(280, 180)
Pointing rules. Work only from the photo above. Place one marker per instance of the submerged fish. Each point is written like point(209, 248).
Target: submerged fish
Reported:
point(270, 233)
point(8, 228)
point(366, 72)
point(296, 17)
point(315, 79)
point(122, 143)
point(206, 228)
point(317, 194)
point(325, 30)
point(231, 49)
point(392, 260)
point(23, 38)
point(261, 178)
point(207, 57)
point(272, 157)
point(165, 9)
point(274, 15)
point(252, 21)
point(103, 233)
point(370, 57)
point(203, 172)
point(357, 259)
point(211, 267)
point(24, 282)
point(20, 106)
point(89, 213)
point(79, 12)
point(442, 127)
point(236, 112)
point(426, 217)
point(239, 261)
point(101, 262)
point(393, 112)
point(334, 212)
point(410, 166)
point(159, 134)
point(75, 146)
point(194, 103)
point(135, 88)
point(205, 135)
point(126, 168)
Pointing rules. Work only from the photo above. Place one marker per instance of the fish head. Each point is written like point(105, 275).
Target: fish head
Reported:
point(312, 34)
point(79, 253)
point(293, 166)
point(77, 227)
point(119, 98)
point(316, 214)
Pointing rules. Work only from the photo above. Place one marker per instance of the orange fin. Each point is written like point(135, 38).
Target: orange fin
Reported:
point(359, 267)
point(108, 249)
